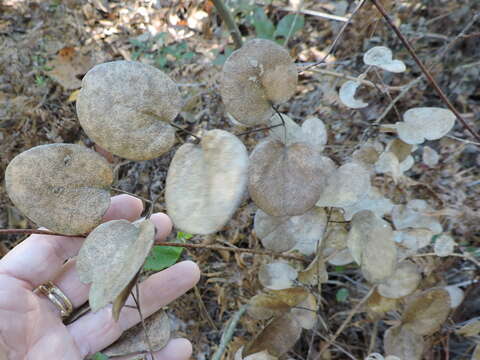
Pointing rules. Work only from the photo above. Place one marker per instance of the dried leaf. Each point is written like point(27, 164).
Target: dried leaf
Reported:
point(368, 155)
point(430, 157)
point(121, 299)
point(425, 123)
point(285, 180)
point(415, 215)
point(206, 182)
point(306, 312)
point(303, 233)
point(476, 353)
point(275, 302)
point(444, 245)
point(403, 282)
point(111, 257)
point(373, 201)
point(262, 355)
point(456, 295)
point(382, 57)
point(68, 66)
point(370, 241)
point(133, 341)
point(349, 184)
point(277, 276)
point(277, 337)
point(255, 76)
point(472, 328)
point(126, 107)
point(379, 305)
point(426, 312)
point(400, 149)
point(402, 342)
point(63, 187)
point(315, 273)
point(347, 95)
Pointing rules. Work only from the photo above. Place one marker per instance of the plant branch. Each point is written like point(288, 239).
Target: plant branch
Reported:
point(424, 69)
point(228, 333)
point(188, 246)
point(232, 27)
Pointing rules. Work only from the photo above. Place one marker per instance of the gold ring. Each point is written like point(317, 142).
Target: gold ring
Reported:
point(57, 297)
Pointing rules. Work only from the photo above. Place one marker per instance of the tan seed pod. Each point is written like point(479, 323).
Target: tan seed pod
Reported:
point(206, 182)
point(63, 187)
point(286, 180)
point(126, 107)
point(254, 77)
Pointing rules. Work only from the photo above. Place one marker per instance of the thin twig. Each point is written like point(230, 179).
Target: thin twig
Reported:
point(232, 27)
point(346, 322)
point(142, 319)
point(188, 246)
point(424, 69)
point(228, 333)
point(257, 130)
point(317, 13)
point(186, 131)
point(337, 38)
point(203, 308)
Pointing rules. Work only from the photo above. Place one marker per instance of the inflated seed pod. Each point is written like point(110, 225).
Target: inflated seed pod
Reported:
point(255, 77)
point(126, 107)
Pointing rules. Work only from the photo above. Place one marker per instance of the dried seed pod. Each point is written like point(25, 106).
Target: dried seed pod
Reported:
point(206, 182)
point(63, 187)
point(126, 107)
point(254, 77)
point(286, 180)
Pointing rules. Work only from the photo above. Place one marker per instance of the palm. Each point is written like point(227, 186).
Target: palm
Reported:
point(30, 325)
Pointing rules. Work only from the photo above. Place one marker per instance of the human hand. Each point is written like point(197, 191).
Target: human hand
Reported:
point(30, 324)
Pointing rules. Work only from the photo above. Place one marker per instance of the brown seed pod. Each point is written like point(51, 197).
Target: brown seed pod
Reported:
point(285, 180)
point(63, 187)
point(125, 107)
point(254, 77)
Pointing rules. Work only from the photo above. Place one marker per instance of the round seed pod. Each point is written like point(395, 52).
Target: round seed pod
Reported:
point(63, 187)
point(256, 76)
point(126, 107)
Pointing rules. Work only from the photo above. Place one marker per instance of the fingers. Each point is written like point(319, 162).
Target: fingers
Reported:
point(68, 280)
point(40, 257)
point(176, 349)
point(95, 331)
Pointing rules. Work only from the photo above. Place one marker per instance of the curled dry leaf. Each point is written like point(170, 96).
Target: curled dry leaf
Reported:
point(63, 187)
point(378, 305)
point(306, 312)
point(254, 77)
point(430, 157)
point(286, 180)
point(312, 131)
point(133, 341)
point(349, 184)
point(277, 337)
point(368, 155)
point(206, 182)
point(403, 282)
point(347, 95)
point(425, 123)
point(277, 276)
point(400, 149)
point(370, 241)
point(382, 57)
point(444, 245)
point(388, 163)
point(126, 107)
point(404, 343)
point(373, 201)
point(415, 215)
point(275, 302)
point(111, 257)
point(456, 295)
point(413, 239)
point(303, 232)
point(316, 272)
point(336, 246)
point(426, 312)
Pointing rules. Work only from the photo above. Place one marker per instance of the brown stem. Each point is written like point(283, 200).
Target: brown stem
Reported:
point(232, 27)
point(424, 69)
point(188, 246)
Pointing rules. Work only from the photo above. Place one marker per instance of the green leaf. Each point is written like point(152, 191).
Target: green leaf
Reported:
point(99, 356)
point(342, 295)
point(291, 21)
point(264, 28)
point(162, 257)
point(183, 236)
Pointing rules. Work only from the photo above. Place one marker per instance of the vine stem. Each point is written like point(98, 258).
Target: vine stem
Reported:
point(188, 246)
point(228, 333)
point(232, 27)
point(424, 69)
